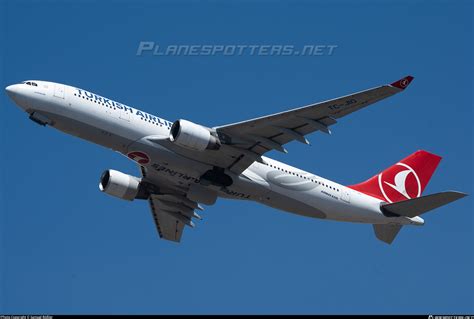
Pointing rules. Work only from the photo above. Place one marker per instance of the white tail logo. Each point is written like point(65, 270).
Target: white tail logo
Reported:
point(400, 182)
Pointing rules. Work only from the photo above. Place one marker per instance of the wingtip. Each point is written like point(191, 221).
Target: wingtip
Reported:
point(402, 84)
point(459, 194)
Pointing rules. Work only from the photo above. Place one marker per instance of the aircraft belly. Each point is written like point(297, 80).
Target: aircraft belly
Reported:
point(246, 186)
point(292, 205)
point(359, 210)
point(319, 203)
point(88, 132)
point(160, 158)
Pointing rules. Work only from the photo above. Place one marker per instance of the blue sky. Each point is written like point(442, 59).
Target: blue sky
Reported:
point(68, 248)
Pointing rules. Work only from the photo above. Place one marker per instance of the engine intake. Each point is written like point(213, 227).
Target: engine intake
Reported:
point(193, 136)
point(120, 185)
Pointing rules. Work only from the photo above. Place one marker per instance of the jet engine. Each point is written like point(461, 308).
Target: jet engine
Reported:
point(120, 185)
point(193, 136)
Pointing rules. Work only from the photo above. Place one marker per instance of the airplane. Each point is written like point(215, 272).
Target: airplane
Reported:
point(185, 165)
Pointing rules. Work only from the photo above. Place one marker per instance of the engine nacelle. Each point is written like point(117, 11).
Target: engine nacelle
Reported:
point(120, 185)
point(193, 136)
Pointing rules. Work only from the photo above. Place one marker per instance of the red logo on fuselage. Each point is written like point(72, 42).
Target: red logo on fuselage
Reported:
point(139, 157)
point(399, 183)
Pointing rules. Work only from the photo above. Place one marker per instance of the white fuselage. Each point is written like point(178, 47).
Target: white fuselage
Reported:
point(123, 129)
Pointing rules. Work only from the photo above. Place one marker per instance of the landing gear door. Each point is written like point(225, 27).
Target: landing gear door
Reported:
point(59, 91)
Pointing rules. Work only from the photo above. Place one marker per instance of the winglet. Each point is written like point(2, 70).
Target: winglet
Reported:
point(403, 83)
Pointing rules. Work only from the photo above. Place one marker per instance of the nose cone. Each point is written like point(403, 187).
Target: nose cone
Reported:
point(17, 93)
point(12, 90)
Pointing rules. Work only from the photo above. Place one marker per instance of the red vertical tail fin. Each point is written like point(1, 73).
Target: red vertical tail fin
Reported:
point(405, 180)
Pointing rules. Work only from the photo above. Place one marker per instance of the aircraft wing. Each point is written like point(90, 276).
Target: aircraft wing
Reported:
point(171, 210)
point(171, 214)
point(257, 136)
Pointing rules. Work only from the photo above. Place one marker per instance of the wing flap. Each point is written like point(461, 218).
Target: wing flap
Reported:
point(171, 209)
point(168, 226)
point(334, 109)
point(260, 135)
point(171, 213)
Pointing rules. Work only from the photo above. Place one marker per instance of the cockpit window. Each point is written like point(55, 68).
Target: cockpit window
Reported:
point(30, 83)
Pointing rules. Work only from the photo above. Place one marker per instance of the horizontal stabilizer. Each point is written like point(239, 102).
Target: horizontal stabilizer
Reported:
point(386, 233)
point(417, 206)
